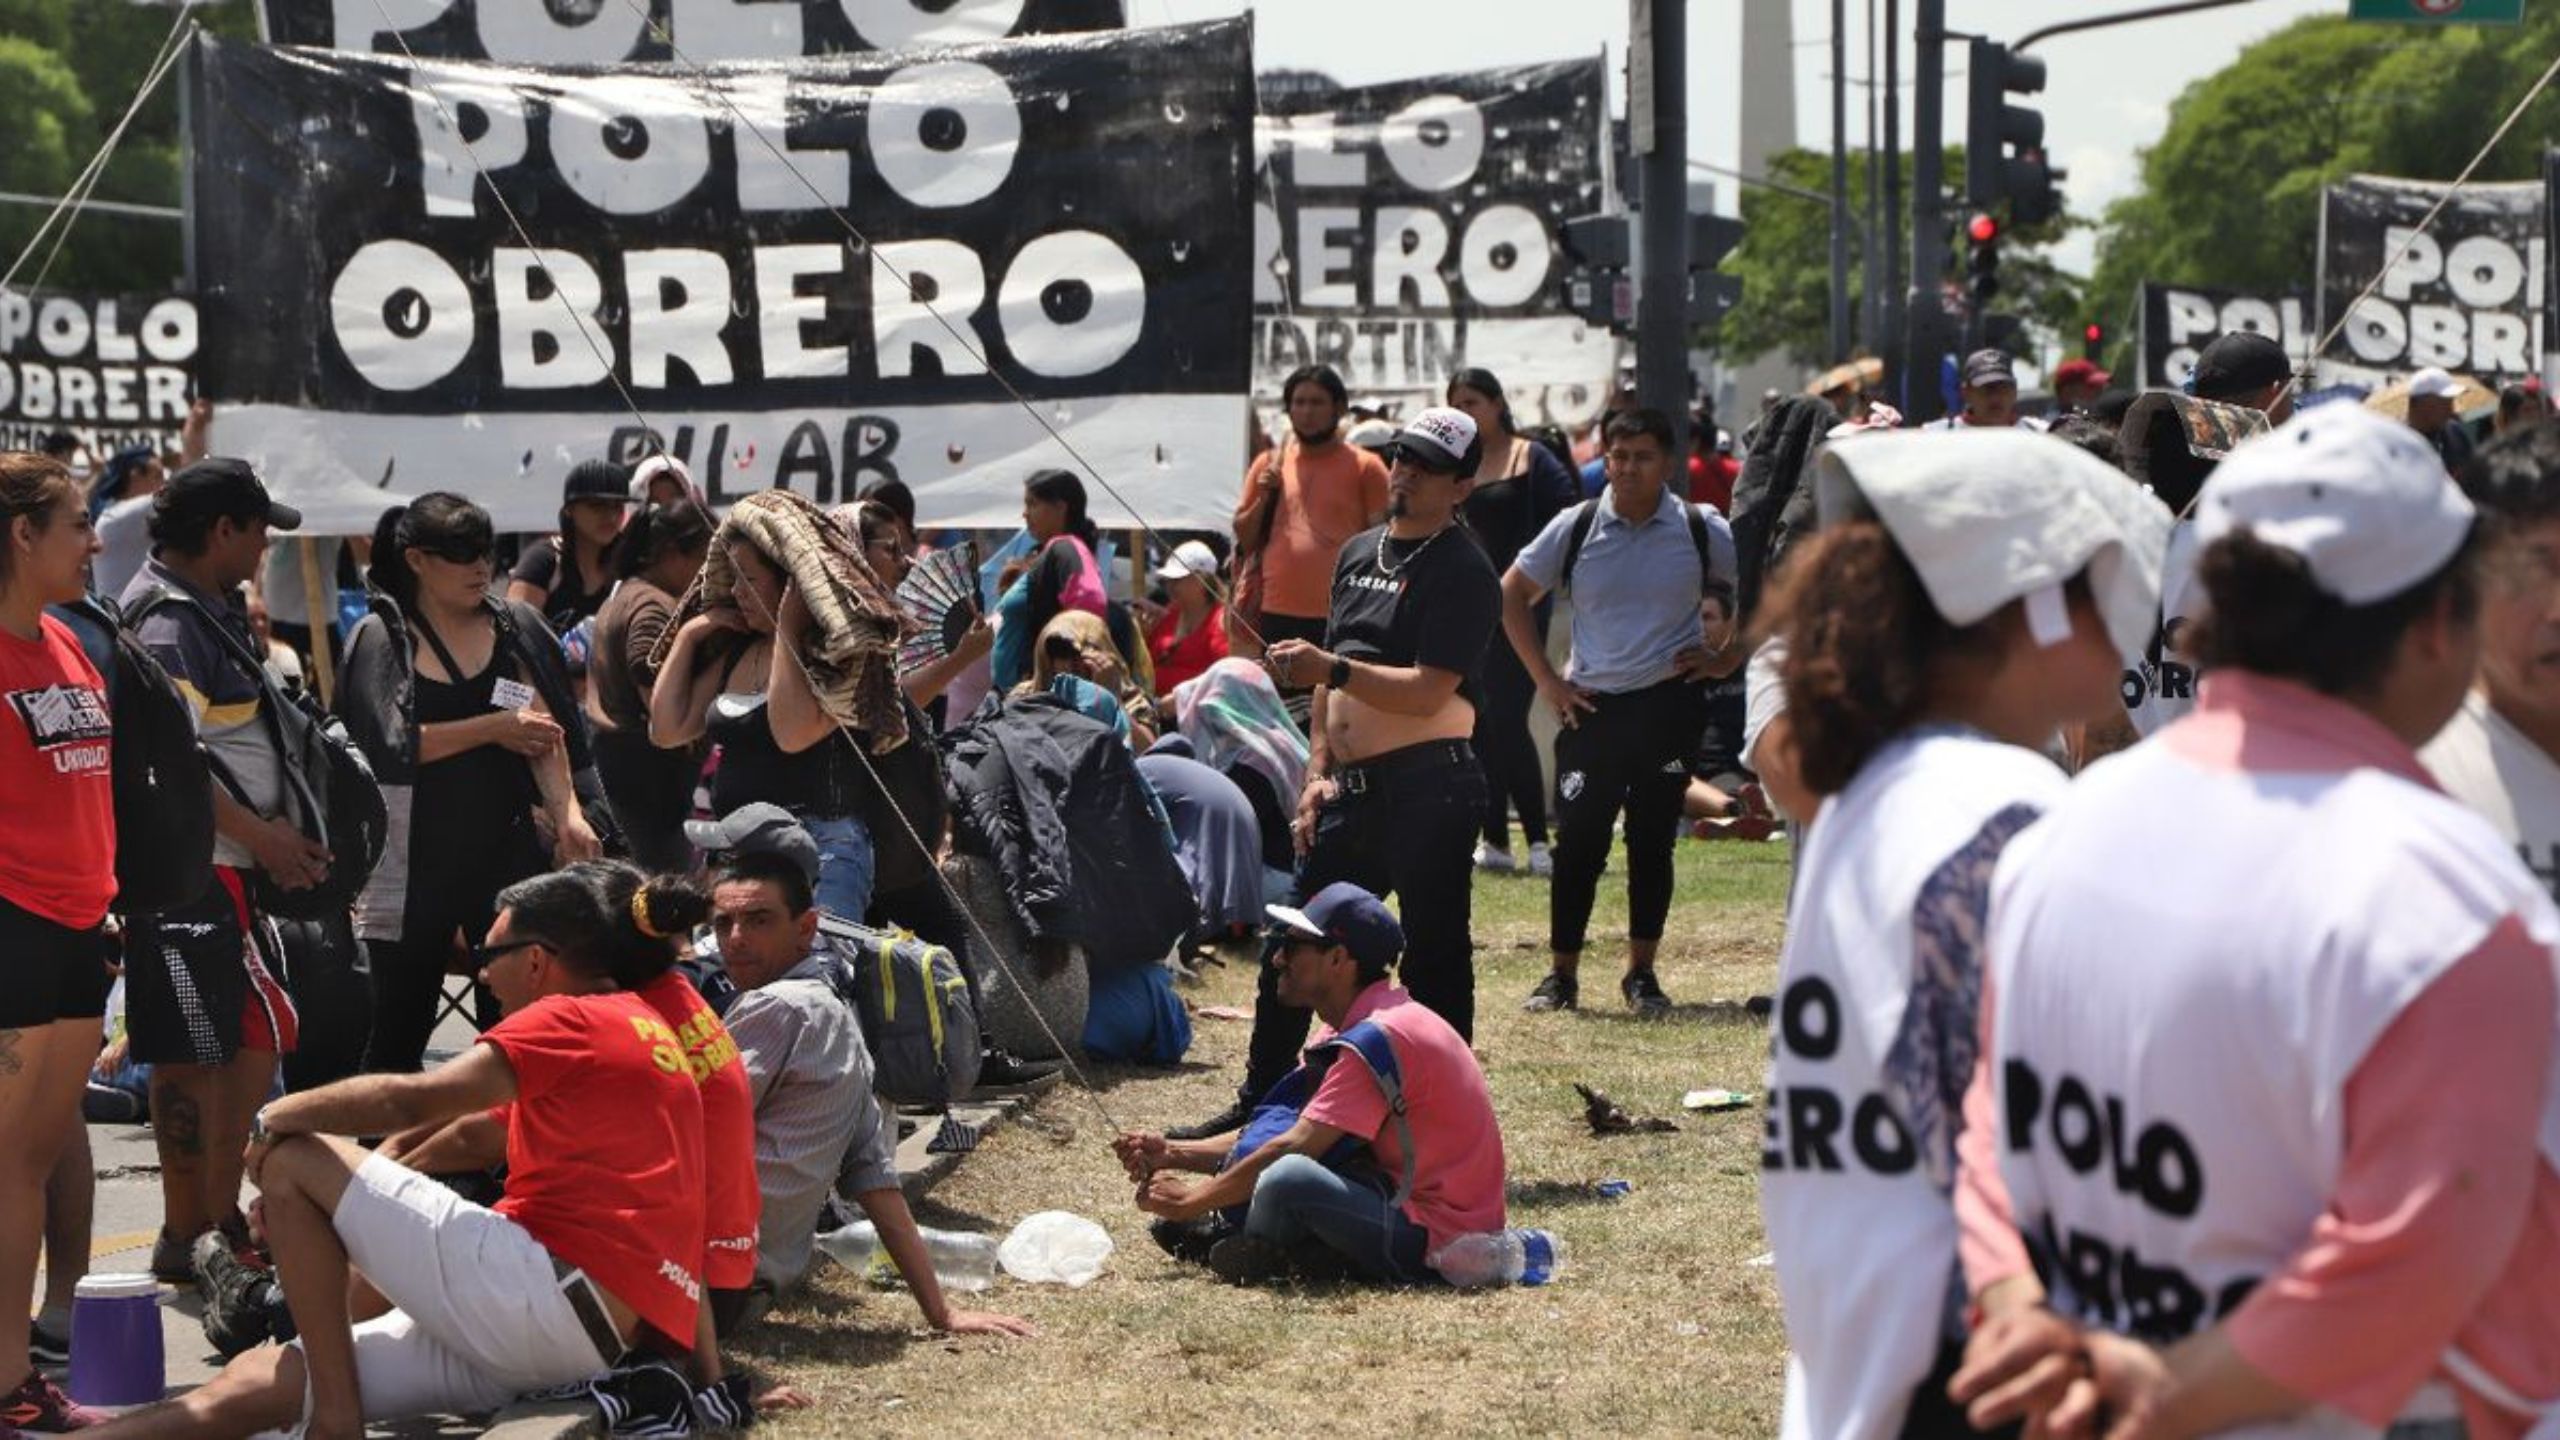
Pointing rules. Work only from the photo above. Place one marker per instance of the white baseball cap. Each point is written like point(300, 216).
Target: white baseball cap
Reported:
point(1438, 438)
point(2434, 382)
point(1995, 515)
point(2362, 498)
point(1191, 557)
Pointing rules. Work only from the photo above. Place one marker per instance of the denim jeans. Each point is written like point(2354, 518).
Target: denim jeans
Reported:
point(1297, 1200)
point(1409, 832)
point(845, 863)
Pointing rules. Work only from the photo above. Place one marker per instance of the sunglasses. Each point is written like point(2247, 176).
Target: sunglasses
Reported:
point(459, 552)
point(483, 955)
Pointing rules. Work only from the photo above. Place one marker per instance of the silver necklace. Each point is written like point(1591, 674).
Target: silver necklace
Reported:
point(1390, 572)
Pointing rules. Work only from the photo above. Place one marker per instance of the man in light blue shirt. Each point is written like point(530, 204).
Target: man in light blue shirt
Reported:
point(1651, 581)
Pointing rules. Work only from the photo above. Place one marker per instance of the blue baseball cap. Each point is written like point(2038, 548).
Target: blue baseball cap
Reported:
point(1344, 914)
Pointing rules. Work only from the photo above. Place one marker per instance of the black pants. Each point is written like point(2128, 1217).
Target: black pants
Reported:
point(1719, 757)
point(1629, 753)
point(1513, 777)
point(446, 893)
point(1404, 824)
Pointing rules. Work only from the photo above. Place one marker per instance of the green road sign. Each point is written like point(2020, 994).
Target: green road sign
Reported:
point(2439, 12)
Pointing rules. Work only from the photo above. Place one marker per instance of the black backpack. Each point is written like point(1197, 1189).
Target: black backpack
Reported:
point(163, 785)
point(330, 793)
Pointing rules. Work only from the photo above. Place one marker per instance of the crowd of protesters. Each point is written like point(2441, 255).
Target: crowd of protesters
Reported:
point(1993, 1194)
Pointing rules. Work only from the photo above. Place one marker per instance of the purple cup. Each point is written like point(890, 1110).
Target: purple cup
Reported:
point(117, 1357)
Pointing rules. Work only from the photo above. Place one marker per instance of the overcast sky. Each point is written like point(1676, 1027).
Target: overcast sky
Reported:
point(2108, 95)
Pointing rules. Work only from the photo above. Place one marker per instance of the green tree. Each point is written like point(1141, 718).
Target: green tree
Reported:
point(1784, 263)
point(2230, 194)
point(68, 69)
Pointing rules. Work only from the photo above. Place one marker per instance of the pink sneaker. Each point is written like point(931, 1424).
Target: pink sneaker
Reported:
point(39, 1406)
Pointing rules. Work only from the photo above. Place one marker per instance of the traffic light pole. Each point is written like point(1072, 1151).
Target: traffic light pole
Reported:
point(1662, 296)
point(1924, 317)
point(1840, 180)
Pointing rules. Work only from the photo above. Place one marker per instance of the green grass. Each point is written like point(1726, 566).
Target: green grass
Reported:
point(1658, 1325)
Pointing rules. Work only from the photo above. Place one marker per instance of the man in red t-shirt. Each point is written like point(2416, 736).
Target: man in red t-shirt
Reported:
point(595, 1251)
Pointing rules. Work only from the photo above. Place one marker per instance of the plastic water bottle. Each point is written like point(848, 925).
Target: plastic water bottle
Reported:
point(1500, 1257)
point(962, 1260)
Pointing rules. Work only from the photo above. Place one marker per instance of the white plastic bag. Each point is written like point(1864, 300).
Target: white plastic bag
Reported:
point(1055, 1247)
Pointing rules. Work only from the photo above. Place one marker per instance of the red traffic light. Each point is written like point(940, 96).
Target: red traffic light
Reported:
point(1983, 229)
point(2096, 334)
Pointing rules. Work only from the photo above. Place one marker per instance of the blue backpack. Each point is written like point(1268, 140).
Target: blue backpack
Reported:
point(1280, 1107)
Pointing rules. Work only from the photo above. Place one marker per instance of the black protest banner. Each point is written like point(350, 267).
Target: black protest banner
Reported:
point(606, 32)
point(1064, 215)
point(2178, 321)
point(112, 370)
point(2468, 295)
point(1405, 230)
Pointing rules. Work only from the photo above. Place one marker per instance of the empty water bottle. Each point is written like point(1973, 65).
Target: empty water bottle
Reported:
point(1500, 1257)
point(961, 1260)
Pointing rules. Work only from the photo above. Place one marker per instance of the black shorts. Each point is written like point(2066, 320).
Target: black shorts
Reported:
point(54, 972)
point(200, 981)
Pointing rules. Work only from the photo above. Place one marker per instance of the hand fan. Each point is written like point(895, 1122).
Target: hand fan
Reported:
point(941, 595)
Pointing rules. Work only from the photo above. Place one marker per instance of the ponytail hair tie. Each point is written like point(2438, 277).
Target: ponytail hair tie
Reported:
point(640, 915)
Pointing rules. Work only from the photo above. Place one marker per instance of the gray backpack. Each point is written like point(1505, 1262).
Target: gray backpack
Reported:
point(918, 1019)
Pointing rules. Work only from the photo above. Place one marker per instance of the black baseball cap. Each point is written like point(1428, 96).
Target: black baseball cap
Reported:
point(221, 486)
point(1990, 367)
point(2239, 363)
point(757, 829)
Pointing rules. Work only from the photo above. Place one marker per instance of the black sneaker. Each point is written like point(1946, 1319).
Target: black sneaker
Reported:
point(173, 1260)
point(1191, 1240)
point(243, 1306)
point(47, 1349)
point(1001, 1072)
point(1231, 1118)
point(1248, 1260)
point(1558, 991)
point(1644, 993)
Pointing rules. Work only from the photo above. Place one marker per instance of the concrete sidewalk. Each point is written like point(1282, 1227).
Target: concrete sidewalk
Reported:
point(129, 1203)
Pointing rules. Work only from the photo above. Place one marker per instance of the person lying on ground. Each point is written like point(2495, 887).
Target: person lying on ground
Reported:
point(1287, 1191)
point(592, 1254)
point(818, 1127)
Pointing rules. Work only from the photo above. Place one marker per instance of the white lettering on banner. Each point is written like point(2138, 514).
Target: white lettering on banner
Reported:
point(782, 310)
point(491, 135)
point(910, 280)
point(632, 149)
point(1315, 157)
point(1434, 143)
point(526, 32)
point(2470, 304)
point(62, 328)
point(798, 177)
point(2193, 320)
point(538, 347)
point(944, 135)
point(1414, 242)
point(679, 304)
point(1321, 258)
point(401, 314)
point(1505, 255)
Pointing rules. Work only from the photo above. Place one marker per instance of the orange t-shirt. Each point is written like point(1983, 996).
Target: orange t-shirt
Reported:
point(604, 1149)
point(1327, 495)
point(733, 1203)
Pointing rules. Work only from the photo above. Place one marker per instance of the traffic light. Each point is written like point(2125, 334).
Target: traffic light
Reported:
point(1598, 290)
point(2093, 341)
point(2004, 156)
point(1982, 260)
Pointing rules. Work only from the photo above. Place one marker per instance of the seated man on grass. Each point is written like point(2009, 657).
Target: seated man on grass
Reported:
point(593, 1252)
point(818, 1126)
point(1327, 1178)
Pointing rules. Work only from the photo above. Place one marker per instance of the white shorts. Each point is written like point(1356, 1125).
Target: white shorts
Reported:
point(483, 1314)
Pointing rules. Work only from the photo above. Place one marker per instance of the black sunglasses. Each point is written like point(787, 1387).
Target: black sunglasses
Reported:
point(482, 955)
point(459, 552)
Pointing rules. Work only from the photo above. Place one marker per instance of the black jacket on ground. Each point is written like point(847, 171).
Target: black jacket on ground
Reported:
point(1054, 799)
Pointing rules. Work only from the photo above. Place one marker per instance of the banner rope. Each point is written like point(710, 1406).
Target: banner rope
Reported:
point(2410, 243)
point(76, 198)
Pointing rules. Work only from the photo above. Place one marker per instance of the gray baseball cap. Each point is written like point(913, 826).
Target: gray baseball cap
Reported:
point(758, 829)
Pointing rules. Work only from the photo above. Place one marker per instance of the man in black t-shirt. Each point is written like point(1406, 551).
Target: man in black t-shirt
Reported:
point(1394, 794)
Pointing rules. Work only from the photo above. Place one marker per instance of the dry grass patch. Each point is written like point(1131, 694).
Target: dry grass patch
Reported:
point(1658, 1324)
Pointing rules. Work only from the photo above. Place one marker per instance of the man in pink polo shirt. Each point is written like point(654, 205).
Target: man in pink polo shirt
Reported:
point(1402, 1187)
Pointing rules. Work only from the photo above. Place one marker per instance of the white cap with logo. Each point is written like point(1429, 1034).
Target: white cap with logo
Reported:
point(1438, 438)
point(1191, 557)
point(2362, 498)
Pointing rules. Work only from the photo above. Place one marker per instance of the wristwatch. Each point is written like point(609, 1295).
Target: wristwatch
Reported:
point(1339, 675)
point(258, 1134)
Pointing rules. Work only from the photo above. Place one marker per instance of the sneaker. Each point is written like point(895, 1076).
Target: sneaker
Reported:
point(644, 1401)
point(1644, 993)
point(1001, 1072)
point(1542, 861)
point(173, 1260)
point(1191, 1240)
point(47, 1348)
point(1558, 991)
point(1494, 859)
point(39, 1405)
point(1248, 1260)
point(243, 1308)
point(1231, 1118)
